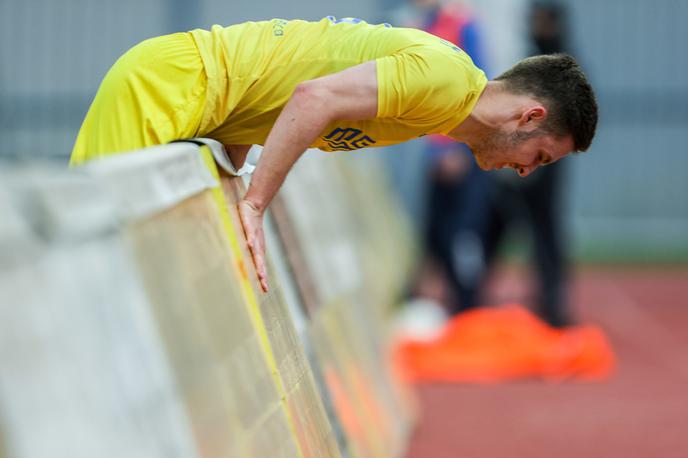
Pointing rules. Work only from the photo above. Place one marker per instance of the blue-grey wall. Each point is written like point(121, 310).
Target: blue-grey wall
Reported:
point(631, 189)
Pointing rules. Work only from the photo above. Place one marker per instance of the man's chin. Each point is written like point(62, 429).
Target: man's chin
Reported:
point(484, 166)
point(480, 160)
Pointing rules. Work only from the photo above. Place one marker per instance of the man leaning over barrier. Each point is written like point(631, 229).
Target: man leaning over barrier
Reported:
point(334, 85)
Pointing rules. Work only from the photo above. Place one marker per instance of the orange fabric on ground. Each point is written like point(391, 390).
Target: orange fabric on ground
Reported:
point(506, 343)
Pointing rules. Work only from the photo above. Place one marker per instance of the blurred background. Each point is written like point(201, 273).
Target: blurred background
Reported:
point(622, 207)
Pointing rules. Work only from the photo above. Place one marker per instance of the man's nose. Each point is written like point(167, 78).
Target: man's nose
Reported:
point(526, 170)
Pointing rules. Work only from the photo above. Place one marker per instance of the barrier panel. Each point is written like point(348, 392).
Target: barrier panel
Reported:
point(131, 322)
point(355, 251)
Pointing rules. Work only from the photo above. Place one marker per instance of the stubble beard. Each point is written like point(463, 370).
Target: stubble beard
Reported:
point(489, 149)
point(493, 149)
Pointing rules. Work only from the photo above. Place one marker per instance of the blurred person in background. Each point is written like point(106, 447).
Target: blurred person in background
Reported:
point(536, 201)
point(458, 190)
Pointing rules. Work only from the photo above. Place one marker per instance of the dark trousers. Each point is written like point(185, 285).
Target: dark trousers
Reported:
point(468, 220)
point(457, 217)
point(535, 202)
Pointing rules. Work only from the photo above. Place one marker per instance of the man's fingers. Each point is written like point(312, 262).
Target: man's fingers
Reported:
point(257, 247)
point(252, 224)
point(260, 268)
point(262, 277)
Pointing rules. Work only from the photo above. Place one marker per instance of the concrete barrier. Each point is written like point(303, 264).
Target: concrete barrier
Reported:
point(131, 323)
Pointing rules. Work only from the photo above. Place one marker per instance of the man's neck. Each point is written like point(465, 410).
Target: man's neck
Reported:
point(495, 110)
point(482, 120)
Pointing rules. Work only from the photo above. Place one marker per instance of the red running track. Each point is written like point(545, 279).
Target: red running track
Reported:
point(642, 411)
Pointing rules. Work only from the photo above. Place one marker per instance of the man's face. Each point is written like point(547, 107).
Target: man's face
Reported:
point(523, 152)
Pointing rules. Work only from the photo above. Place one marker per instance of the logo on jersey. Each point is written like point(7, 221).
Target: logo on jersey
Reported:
point(347, 139)
point(278, 26)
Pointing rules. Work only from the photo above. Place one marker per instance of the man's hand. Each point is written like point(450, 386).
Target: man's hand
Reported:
point(252, 221)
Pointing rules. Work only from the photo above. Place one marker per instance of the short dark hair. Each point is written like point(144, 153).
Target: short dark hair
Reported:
point(558, 82)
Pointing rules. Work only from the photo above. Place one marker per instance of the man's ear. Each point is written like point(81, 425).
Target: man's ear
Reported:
point(532, 117)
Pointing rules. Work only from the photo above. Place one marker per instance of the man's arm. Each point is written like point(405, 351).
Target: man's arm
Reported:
point(348, 95)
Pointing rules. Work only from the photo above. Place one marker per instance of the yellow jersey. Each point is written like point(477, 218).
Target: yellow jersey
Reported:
point(426, 85)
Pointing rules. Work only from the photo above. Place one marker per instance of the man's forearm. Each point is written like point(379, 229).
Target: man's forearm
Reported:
point(304, 117)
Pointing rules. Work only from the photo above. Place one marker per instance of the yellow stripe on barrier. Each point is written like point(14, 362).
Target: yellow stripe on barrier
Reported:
point(247, 289)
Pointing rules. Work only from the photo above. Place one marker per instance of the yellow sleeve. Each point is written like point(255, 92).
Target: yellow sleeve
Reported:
point(428, 87)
